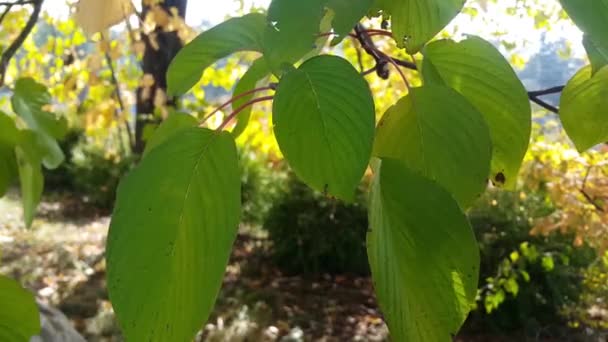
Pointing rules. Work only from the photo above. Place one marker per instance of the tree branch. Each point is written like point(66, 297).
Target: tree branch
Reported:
point(382, 60)
point(16, 44)
point(118, 95)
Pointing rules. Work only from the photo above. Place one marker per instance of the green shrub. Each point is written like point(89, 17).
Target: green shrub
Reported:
point(313, 234)
point(89, 171)
point(263, 180)
point(526, 281)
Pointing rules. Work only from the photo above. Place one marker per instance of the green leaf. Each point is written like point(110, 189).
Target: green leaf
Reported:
point(323, 116)
point(547, 263)
point(423, 256)
point(175, 122)
point(291, 32)
point(31, 180)
point(591, 16)
point(236, 34)
point(437, 132)
point(258, 71)
point(478, 71)
point(7, 167)
point(415, 22)
point(598, 55)
point(28, 101)
point(173, 226)
point(8, 139)
point(583, 107)
point(347, 13)
point(19, 318)
point(10, 133)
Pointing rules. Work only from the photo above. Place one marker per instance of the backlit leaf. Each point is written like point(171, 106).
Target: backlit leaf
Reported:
point(598, 55)
point(97, 16)
point(584, 108)
point(31, 180)
point(175, 122)
point(173, 226)
point(258, 71)
point(237, 34)
point(415, 22)
point(28, 101)
point(347, 14)
point(323, 116)
point(591, 16)
point(478, 71)
point(291, 31)
point(437, 132)
point(423, 256)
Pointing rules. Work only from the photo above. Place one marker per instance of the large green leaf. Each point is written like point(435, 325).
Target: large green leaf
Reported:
point(173, 226)
point(237, 34)
point(423, 256)
point(175, 123)
point(9, 137)
point(584, 108)
point(258, 71)
point(7, 167)
point(415, 22)
point(437, 132)
point(29, 160)
point(347, 13)
point(480, 73)
point(28, 101)
point(591, 16)
point(291, 32)
point(598, 55)
point(19, 319)
point(323, 116)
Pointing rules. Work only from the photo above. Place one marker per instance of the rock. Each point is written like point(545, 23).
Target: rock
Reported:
point(55, 327)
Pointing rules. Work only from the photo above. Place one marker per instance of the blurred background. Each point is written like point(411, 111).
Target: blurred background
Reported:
point(298, 270)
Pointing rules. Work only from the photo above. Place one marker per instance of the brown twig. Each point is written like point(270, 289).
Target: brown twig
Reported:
point(16, 44)
point(118, 95)
point(586, 195)
point(240, 109)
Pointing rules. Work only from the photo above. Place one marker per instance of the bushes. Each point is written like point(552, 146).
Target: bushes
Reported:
point(312, 233)
point(263, 180)
point(526, 282)
point(89, 171)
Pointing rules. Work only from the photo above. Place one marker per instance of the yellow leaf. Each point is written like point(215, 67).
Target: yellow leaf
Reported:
point(98, 15)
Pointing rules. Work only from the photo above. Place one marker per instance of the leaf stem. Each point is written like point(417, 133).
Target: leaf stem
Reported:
point(376, 32)
point(235, 98)
point(241, 108)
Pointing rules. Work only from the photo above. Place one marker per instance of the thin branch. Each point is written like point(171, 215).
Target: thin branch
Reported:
point(360, 59)
point(544, 104)
point(368, 45)
point(368, 71)
point(393, 63)
point(6, 11)
point(235, 98)
point(17, 3)
point(118, 95)
point(374, 32)
point(241, 108)
point(547, 91)
point(584, 192)
point(16, 44)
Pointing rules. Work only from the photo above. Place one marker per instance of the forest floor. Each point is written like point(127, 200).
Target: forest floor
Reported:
point(61, 259)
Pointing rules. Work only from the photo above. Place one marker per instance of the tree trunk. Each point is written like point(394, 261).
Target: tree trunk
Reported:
point(161, 47)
